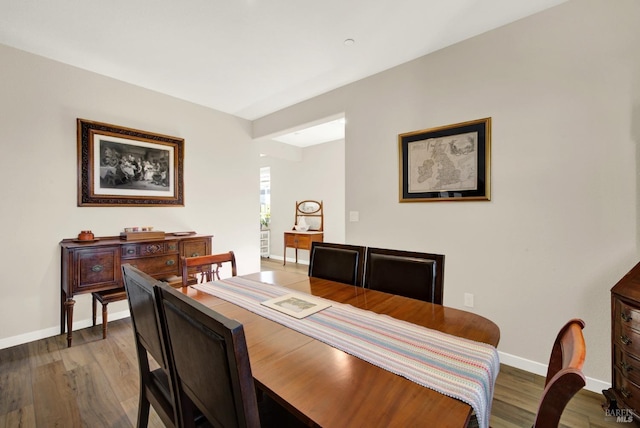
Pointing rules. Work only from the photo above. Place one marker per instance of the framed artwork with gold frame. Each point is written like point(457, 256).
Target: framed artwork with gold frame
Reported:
point(447, 163)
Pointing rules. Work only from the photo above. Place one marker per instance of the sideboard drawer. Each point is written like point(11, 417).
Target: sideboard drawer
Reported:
point(97, 269)
point(157, 266)
point(627, 339)
point(627, 316)
point(627, 389)
point(628, 364)
point(145, 249)
point(195, 248)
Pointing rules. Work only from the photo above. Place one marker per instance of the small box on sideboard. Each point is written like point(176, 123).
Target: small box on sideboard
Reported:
point(137, 236)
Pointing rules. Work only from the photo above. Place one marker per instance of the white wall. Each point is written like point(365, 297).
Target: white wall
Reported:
point(317, 173)
point(39, 103)
point(561, 228)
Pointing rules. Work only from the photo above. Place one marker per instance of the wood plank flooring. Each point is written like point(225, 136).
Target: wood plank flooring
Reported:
point(95, 384)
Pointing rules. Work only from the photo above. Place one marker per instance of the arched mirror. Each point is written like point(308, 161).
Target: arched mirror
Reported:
point(309, 216)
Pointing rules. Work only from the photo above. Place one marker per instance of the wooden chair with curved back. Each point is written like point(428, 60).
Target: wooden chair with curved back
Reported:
point(406, 273)
point(209, 356)
point(564, 375)
point(337, 262)
point(206, 268)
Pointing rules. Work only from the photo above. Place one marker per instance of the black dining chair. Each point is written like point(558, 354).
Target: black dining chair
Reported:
point(337, 262)
point(156, 388)
point(406, 273)
point(209, 356)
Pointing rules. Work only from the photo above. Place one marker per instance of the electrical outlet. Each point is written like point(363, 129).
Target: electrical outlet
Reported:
point(468, 300)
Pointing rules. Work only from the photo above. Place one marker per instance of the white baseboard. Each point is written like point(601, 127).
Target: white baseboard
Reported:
point(289, 260)
point(54, 331)
point(594, 385)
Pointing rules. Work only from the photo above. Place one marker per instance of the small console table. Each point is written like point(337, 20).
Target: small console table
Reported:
point(300, 240)
point(95, 265)
point(309, 226)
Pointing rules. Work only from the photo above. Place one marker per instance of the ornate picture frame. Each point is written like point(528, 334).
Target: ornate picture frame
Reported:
point(447, 163)
point(120, 166)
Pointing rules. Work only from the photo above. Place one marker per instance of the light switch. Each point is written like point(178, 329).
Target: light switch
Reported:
point(354, 216)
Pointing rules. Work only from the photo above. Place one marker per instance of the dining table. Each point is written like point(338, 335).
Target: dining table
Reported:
point(326, 386)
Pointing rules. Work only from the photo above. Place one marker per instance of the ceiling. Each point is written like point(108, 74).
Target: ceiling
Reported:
point(247, 58)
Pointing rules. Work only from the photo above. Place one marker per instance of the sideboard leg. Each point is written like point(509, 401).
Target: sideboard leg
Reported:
point(68, 304)
point(63, 311)
point(104, 320)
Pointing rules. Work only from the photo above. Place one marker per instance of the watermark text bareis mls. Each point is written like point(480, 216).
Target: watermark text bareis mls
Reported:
point(620, 415)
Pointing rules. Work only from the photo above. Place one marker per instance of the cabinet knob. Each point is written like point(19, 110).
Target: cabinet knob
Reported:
point(625, 339)
point(172, 247)
point(131, 251)
point(195, 254)
point(625, 317)
point(626, 367)
point(97, 268)
point(625, 393)
point(170, 263)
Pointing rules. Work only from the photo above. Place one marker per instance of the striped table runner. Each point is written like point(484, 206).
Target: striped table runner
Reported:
point(454, 366)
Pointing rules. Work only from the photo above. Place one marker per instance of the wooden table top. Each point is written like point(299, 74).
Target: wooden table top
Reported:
point(331, 388)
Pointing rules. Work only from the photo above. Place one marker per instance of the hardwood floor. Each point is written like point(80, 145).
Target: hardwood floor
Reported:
point(95, 384)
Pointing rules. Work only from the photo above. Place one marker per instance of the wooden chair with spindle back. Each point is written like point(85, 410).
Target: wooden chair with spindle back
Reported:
point(206, 268)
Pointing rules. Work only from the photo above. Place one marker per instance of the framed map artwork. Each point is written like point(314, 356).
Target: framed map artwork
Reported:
point(448, 163)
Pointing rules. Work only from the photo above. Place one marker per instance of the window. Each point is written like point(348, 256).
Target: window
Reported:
point(265, 196)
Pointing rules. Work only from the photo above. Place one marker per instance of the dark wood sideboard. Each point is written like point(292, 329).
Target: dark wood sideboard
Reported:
point(623, 398)
point(95, 265)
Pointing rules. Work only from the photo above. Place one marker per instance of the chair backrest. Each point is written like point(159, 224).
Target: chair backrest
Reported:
point(564, 376)
point(206, 268)
point(209, 355)
point(337, 262)
point(149, 339)
point(406, 273)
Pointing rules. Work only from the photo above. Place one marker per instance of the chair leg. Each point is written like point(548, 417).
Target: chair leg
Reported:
point(104, 320)
point(143, 409)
